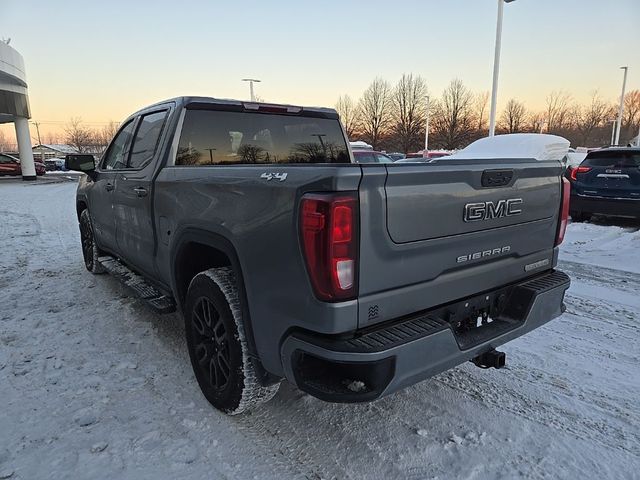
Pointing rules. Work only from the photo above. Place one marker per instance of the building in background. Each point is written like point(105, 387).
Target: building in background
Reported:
point(14, 104)
point(56, 150)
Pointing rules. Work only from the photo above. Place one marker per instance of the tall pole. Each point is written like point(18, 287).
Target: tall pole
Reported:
point(621, 109)
point(39, 141)
point(251, 82)
point(496, 69)
point(426, 130)
point(614, 123)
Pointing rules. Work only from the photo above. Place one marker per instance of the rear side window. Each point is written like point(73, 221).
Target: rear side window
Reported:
point(230, 138)
point(612, 159)
point(146, 139)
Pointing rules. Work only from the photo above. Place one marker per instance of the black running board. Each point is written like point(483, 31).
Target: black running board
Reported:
point(152, 296)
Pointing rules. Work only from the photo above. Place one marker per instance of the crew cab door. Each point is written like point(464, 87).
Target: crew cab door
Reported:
point(133, 216)
point(104, 191)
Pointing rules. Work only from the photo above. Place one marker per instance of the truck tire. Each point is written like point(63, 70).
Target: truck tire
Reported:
point(217, 344)
point(90, 250)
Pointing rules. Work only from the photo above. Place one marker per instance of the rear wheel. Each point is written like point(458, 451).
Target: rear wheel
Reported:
point(217, 344)
point(90, 250)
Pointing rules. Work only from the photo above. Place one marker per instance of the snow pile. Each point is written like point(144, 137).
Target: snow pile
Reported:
point(605, 244)
point(516, 145)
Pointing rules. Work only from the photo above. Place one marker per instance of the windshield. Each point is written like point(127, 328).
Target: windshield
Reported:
point(212, 137)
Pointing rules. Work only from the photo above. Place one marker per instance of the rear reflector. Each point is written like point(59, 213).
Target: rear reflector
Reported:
point(328, 234)
point(564, 210)
point(576, 170)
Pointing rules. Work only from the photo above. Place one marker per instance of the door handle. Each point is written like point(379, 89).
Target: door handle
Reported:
point(141, 192)
point(109, 187)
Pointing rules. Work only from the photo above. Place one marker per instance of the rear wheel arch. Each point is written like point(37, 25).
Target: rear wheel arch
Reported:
point(198, 250)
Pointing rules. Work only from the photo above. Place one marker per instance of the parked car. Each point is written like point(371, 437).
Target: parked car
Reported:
point(607, 182)
point(395, 156)
point(416, 159)
point(288, 259)
point(10, 165)
point(55, 164)
point(371, 156)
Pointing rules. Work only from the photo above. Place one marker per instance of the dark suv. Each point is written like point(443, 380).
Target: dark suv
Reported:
point(607, 182)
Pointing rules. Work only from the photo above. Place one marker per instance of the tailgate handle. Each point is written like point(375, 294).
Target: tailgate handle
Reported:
point(496, 178)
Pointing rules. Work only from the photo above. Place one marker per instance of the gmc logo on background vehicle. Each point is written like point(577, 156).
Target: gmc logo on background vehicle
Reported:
point(474, 212)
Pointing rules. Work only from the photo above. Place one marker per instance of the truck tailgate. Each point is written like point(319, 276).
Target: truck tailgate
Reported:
point(439, 232)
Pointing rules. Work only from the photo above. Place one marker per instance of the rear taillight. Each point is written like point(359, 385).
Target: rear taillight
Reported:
point(564, 210)
point(575, 171)
point(329, 238)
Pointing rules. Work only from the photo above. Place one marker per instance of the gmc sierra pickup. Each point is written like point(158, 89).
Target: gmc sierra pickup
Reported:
point(289, 260)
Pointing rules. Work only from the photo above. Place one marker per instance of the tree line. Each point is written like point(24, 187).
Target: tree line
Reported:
point(393, 117)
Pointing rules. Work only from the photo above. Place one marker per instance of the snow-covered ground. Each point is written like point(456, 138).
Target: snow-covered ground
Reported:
point(94, 385)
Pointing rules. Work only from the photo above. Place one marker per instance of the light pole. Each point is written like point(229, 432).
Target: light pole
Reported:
point(613, 123)
point(426, 132)
point(624, 85)
point(496, 69)
point(251, 82)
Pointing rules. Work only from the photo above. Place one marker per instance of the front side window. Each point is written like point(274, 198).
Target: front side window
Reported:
point(212, 137)
point(146, 140)
point(115, 157)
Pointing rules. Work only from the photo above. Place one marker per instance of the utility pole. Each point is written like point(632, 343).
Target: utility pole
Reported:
point(621, 109)
point(426, 131)
point(251, 82)
point(37, 124)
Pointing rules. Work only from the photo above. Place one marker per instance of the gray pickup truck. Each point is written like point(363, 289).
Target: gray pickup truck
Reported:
point(289, 260)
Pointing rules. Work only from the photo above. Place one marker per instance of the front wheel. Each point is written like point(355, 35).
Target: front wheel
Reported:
point(217, 344)
point(90, 250)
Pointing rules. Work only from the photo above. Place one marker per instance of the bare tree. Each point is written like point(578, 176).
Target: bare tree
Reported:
point(537, 122)
point(513, 117)
point(375, 111)
point(452, 118)
point(103, 136)
point(409, 112)
point(348, 112)
point(51, 138)
point(631, 115)
point(481, 101)
point(558, 110)
point(77, 135)
point(4, 143)
point(592, 116)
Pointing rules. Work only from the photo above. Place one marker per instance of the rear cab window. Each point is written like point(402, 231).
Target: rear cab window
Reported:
point(218, 137)
point(612, 159)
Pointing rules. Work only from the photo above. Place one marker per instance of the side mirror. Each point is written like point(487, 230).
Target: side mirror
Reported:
point(80, 162)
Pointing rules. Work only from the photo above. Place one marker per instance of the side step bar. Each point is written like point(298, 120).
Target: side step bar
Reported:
point(155, 299)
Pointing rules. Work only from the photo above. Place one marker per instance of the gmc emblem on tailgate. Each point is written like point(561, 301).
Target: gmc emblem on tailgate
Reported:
point(474, 212)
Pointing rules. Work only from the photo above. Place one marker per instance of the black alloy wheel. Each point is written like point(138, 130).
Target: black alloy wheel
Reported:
point(211, 344)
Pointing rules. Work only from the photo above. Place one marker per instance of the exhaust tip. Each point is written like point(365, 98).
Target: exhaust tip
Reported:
point(490, 359)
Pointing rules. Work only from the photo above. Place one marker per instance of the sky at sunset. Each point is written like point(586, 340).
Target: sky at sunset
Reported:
point(102, 60)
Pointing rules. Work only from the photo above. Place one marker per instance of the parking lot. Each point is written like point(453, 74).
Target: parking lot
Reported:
point(95, 385)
